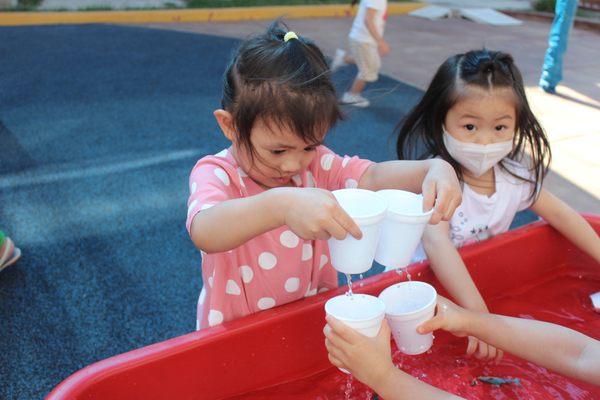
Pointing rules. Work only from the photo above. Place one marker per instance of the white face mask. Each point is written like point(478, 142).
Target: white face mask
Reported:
point(477, 158)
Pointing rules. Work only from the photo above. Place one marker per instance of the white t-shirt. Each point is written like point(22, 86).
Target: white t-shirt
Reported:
point(480, 217)
point(359, 31)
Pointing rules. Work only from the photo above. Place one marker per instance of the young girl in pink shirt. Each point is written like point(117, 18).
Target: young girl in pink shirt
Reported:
point(261, 210)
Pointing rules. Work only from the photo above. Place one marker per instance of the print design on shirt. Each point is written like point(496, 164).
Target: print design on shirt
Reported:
point(481, 233)
point(454, 236)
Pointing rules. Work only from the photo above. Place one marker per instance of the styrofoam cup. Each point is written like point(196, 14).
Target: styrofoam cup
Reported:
point(367, 209)
point(408, 305)
point(402, 228)
point(361, 312)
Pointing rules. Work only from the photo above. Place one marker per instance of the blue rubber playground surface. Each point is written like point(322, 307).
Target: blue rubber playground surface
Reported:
point(99, 128)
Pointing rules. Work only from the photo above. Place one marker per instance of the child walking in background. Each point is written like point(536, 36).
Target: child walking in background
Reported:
point(367, 46)
point(261, 210)
point(475, 115)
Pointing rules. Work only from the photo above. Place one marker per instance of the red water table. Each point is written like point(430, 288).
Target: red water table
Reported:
point(530, 272)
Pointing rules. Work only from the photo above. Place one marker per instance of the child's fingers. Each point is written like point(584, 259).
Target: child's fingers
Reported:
point(431, 325)
point(347, 223)
point(336, 230)
point(499, 356)
point(334, 338)
point(441, 204)
point(335, 361)
point(334, 351)
point(345, 333)
point(482, 350)
point(454, 203)
point(472, 346)
point(331, 336)
point(491, 353)
point(385, 330)
point(428, 195)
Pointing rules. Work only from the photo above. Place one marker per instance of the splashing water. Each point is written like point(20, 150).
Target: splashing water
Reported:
point(349, 280)
point(401, 271)
point(348, 390)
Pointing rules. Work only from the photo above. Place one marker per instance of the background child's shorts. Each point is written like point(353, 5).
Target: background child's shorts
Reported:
point(367, 60)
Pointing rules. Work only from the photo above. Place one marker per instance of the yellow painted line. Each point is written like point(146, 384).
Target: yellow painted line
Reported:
point(192, 15)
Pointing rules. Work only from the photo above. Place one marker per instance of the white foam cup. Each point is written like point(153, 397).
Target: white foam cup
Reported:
point(367, 209)
point(408, 305)
point(361, 312)
point(402, 228)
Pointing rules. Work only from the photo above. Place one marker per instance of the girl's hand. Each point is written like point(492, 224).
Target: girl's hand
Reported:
point(449, 316)
point(442, 189)
point(383, 48)
point(483, 351)
point(313, 213)
point(368, 359)
point(455, 319)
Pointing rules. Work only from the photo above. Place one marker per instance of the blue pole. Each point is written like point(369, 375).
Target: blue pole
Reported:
point(557, 44)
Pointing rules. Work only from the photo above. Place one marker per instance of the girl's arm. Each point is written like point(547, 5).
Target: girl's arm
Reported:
point(552, 346)
point(382, 46)
point(452, 273)
point(370, 23)
point(310, 213)
point(449, 267)
point(568, 222)
point(435, 178)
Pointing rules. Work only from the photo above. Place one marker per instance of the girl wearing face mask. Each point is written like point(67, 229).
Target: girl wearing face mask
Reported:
point(475, 115)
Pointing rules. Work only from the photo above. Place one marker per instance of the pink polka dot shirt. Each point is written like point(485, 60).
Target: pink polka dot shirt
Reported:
point(276, 267)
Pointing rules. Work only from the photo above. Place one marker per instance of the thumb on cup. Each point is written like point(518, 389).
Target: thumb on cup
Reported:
point(431, 325)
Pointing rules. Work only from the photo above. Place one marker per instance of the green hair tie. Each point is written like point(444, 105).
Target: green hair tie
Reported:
point(2, 237)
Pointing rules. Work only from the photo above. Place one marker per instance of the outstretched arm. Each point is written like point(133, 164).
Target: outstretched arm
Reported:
point(552, 346)
point(311, 213)
point(568, 222)
point(452, 273)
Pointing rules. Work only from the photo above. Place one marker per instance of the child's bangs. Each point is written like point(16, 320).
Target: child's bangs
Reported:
point(309, 114)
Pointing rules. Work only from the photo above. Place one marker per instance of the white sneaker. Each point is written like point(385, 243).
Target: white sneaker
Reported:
point(355, 100)
point(338, 60)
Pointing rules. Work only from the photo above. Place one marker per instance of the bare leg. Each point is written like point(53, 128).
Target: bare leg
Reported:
point(358, 86)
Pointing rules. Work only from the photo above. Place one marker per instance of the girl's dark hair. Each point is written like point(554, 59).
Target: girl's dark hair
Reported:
point(420, 132)
point(283, 83)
